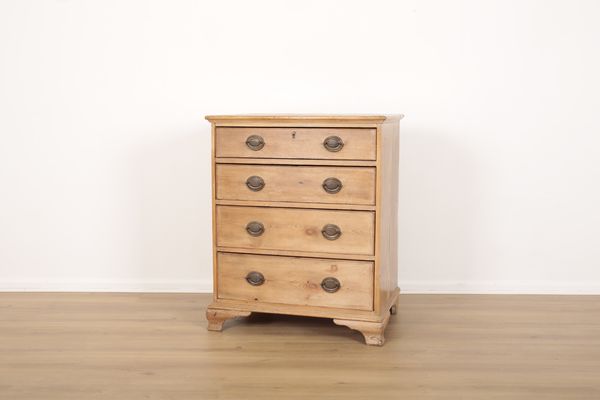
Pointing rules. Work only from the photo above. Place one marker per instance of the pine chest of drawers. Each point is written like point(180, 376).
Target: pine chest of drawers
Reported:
point(305, 218)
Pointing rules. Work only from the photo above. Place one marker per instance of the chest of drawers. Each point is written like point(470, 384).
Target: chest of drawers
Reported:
point(305, 218)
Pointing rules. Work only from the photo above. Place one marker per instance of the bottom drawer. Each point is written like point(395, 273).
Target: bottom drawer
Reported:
point(295, 280)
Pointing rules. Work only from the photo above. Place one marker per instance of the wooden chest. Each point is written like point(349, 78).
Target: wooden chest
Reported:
point(305, 218)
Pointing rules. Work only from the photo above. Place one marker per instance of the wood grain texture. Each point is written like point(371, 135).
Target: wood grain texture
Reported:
point(97, 346)
point(295, 161)
point(387, 216)
point(295, 253)
point(296, 229)
point(216, 317)
point(318, 119)
point(294, 309)
point(373, 332)
point(213, 172)
point(296, 142)
point(294, 280)
point(293, 204)
point(296, 184)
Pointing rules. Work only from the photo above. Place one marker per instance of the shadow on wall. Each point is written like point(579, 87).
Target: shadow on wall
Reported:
point(171, 185)
point(439, 211)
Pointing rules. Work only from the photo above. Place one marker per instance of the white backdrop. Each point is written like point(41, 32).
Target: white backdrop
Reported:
point(104, 156)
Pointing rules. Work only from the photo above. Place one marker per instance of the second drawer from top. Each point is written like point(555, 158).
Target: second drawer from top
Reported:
point(334, 185)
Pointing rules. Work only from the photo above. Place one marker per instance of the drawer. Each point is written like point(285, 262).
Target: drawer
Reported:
point(338, 185)
point(295, 280)
point(270, 228)
point(310, 143)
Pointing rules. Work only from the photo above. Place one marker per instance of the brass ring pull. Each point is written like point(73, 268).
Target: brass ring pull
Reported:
point(255, 228)
point(331, 285)
point(331, 232)
point(332, 185)
point(255, 278)
point(255, 142)
point(333, 143)
point(255, 183)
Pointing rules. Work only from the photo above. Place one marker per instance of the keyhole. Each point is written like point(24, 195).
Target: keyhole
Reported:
point(293, 134)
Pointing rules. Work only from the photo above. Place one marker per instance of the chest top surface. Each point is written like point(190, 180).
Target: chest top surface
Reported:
point(306, 118)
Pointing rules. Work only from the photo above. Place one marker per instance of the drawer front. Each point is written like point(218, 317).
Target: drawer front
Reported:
point(295, 280)
point(310, 143)
point(266, 228)
point(338, 185)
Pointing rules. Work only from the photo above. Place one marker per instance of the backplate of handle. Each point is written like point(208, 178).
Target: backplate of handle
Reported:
point(332, 185)
point(255, 278)
point(331, 284)
point(331, 232)
point(255, 183)
point(255, 142)
point(333, 143)
point(255, 228)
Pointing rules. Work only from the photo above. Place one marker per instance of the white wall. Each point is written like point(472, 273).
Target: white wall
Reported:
point(104, 163)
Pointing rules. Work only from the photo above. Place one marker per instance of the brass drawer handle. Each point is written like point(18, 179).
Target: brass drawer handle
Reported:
point(331, 232)
point(333, 143)
point(255, 142)
point(255, 183)
point(331, 285)
point(255, 278)
point(332, 185)
point(255, 228)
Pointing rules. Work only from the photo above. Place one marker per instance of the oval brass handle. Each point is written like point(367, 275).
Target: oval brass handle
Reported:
point(255, 142)
point(331, 232)
point(255, 278)
point(333, 143)
point(255, 183)
point(330, 284)
point(332, 185)
point(255, 228)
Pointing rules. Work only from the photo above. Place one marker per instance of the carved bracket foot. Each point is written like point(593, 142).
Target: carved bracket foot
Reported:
point(372, 331)
point(217, 317)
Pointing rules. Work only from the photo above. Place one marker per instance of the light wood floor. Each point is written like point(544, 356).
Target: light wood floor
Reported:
point(155, 346)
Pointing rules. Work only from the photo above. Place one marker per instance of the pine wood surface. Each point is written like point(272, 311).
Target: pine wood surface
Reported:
point(296, 142)
point(297, 162)
point(296, 280)
point(387, 221)
point(303, 119)
point(58, 346)
point(296, 229)
point(296, 184)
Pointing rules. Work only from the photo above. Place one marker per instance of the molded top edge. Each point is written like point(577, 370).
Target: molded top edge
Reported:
point(351, 118)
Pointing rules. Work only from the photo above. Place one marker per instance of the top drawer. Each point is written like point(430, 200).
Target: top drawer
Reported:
point(309, 143)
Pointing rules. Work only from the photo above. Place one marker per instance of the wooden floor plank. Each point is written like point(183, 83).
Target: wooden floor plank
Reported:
point(156, 346)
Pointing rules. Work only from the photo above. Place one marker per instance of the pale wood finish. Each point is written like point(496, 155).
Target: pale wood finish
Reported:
point(296, 229)
point(296, 183)
point(216, 318)
point(293, 253)
point(293, 204)
point(213, 172)
point(373, 332)
point(97, 346)
point(293, 280)
point(304, 310)
point(295, 161)
point(387, 215)
point(294, 208)
point(303, 119)
point(299, 310)
point(359, 144)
